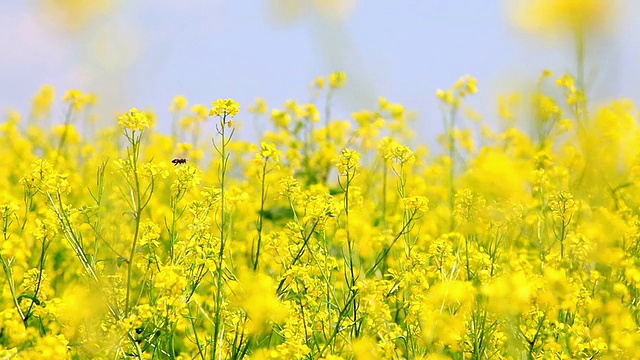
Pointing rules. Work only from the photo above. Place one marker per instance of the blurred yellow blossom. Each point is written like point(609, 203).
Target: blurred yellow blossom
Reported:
point(77, 99)
point(43, 101)
point(178, 104)
point(570, 16)
point(259, 108)
point(337, 80)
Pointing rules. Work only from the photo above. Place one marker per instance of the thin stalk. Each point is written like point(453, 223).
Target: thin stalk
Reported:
point(65, 131)
point(138, 207)
point(450, 124)
point(263, 195)
point(7, 268)
point(39, 283)
point(217, 336)
point(349, 178)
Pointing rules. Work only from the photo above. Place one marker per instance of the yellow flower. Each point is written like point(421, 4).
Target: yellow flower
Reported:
point(289, 187)
point(445, 95)
point(311, 113)
point(261, 305)
point(348, 162)
point(563, 206)
point(200, 112)
point(280, 118)
point(567, 81)
point(400, 154)
point(319, 82)
point(188, 177)
point(179, 103)
point(259, 108)
point(70, 133)
point(78, 100)
point(152, 169)
point(546, 108)
point(134, 120)
point(45, 230)
point(269, 150)
point(416, 204)
point(337, 80)
point(224, 107)
point(43, 101)
point(553, 16)
point(364, 117)
point(8, 209)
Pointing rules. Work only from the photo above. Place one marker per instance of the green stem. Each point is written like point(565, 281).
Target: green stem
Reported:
point(452, 148)
point(263, 194)
point(219, 278)
point(9, 274)
point(65, 131)
point(39, 283)
point(138, 207)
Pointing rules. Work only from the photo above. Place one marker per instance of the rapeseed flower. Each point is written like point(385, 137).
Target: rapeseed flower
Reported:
point(224, 107)
point(134, 120)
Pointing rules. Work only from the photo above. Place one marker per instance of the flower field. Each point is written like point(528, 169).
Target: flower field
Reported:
point(330, 239)
point(283, 231)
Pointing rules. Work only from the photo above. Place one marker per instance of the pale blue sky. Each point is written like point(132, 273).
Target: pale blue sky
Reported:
point(147, 51)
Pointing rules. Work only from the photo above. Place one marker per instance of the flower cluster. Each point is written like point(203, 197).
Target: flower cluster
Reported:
point(134, 120)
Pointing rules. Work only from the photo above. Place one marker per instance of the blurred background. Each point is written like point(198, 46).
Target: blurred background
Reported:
point(142, 53)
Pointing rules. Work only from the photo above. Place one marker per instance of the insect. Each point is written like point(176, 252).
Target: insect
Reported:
point(177, 161)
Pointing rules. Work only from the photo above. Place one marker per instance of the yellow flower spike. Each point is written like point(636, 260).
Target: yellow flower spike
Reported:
point(364, 117)
point(401, 154)
point(224, 107)
point(7, 210)
point(260, 303)
point(546, 73)
point(567, 81)
point(200, 112)
point(134, 120)
point(348, 162)
point(91, 99)
point(563, 205)
point(152, 169)
point(269, 151)
point(76, 99)
point(546, 108)
point(178, 104)
point(383, 103)
point(292, 107)
point(259, 108)
point(471, 84)
point(71, 134)
point(183, 148)
point(397, 111)
point(337, 80)
point(280, 118)
point(445, 95)
point(311, 113)
point(569, 16)
point(416, 204)
point(319, 82)
point(289, 187)
point(188, 178)
point(43, 101)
